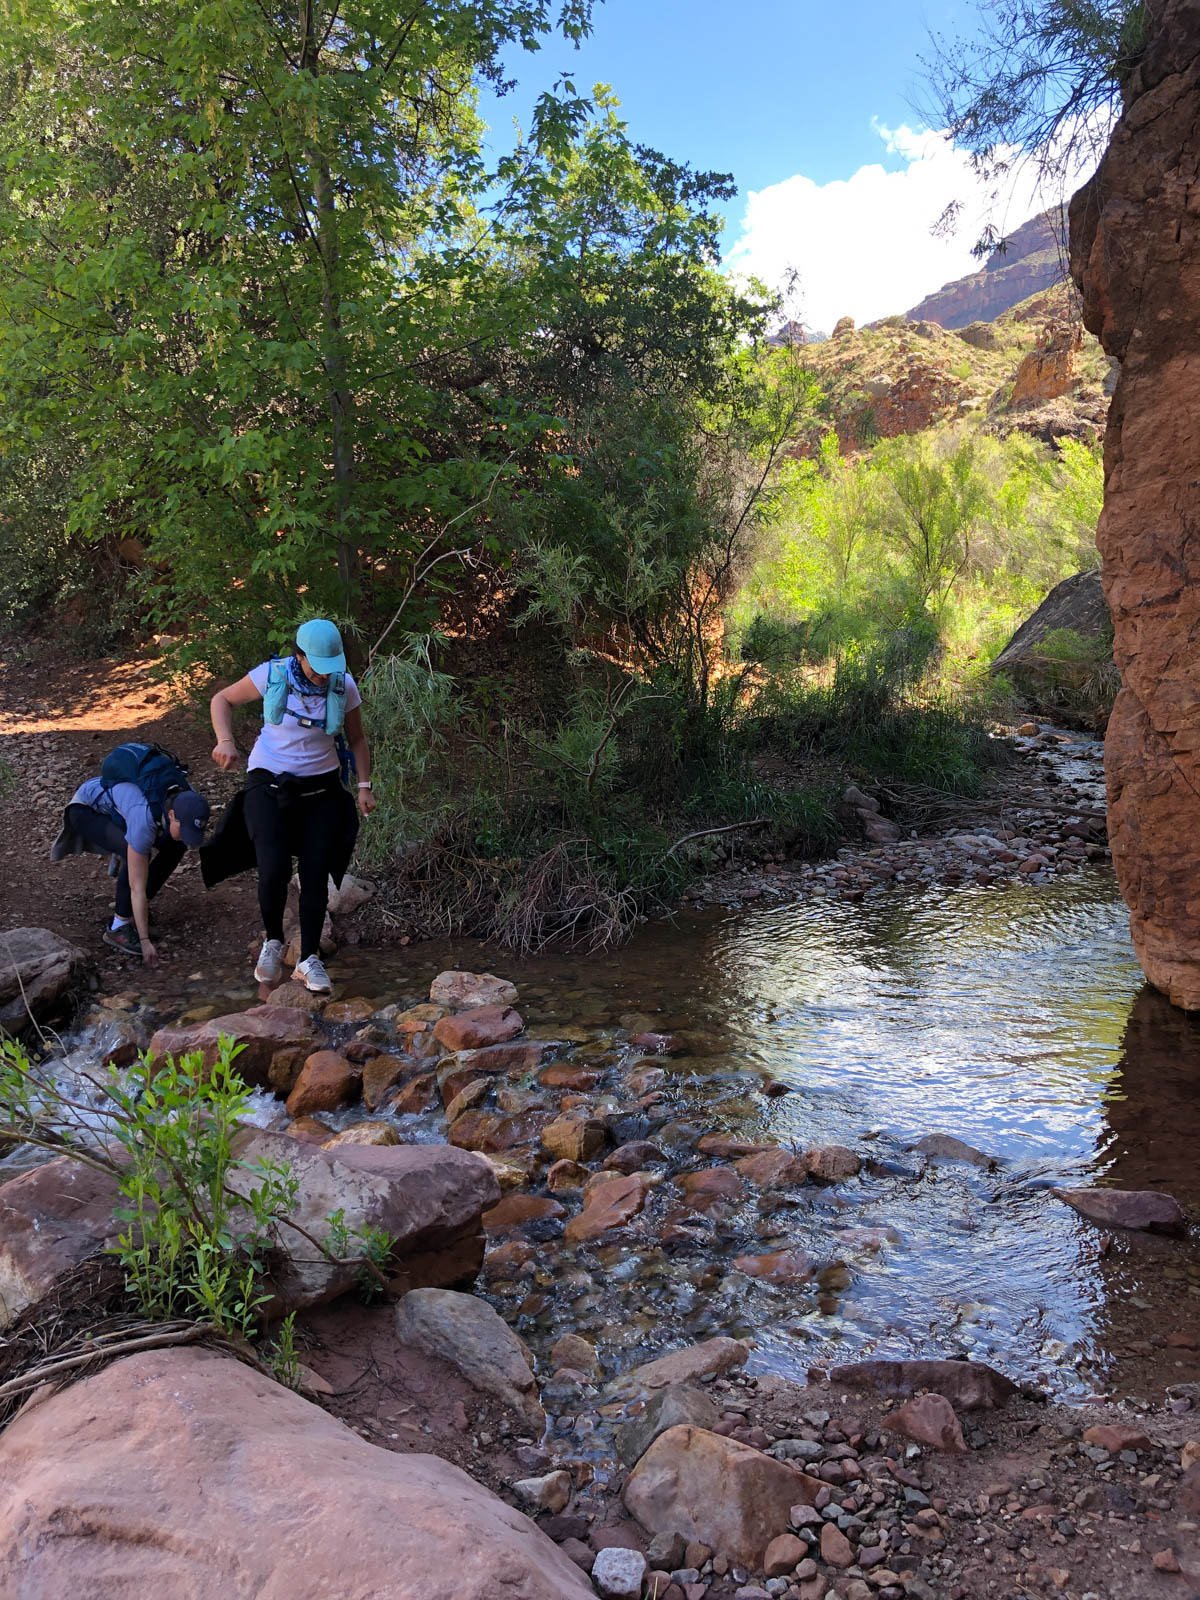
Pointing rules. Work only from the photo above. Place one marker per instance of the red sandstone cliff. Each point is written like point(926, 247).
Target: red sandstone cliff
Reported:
point(1029, 261)
point(1135, 255)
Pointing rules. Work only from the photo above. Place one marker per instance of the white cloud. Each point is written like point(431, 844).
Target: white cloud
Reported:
point(862, 246)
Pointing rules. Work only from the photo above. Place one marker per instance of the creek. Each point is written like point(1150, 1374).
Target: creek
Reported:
point(1014, 1019)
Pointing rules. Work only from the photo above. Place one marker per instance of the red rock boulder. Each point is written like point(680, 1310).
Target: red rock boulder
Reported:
point(181, 1472)
point(275, 1040)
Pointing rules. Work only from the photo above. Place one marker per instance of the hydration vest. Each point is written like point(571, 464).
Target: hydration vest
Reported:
point(155, 771)
point(280, 683)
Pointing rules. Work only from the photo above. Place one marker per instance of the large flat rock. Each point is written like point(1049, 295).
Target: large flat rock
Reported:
point(428, 1198)
point(275, 1041)
point(184, 1475)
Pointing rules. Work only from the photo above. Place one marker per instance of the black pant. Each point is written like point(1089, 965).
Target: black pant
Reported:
point(108, 833)
point(298, 817)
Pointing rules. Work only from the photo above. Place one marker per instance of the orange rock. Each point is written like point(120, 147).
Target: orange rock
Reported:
point(275, 1041)
point(418, 1095)
point(779, 1266)
point(507, 1259)
point(928, 1419)
point(607, 1205)
point(368, 1133)
point(356, 1010)
point(475, 1029)
point(566, 1176)
point(562, 1075)
point(1115, 1437)
point(327, 1080)
point(379, 1074)
point(309, 1130)
point(773, 1169)
point(469, 1095)
point(515, 1210)
point(1052, 369)
point(726, 1148)
point(1135, 255)
point(574, 1138)
point(713, 1187)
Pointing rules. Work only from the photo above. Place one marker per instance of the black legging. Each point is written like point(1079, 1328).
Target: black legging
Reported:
point(108, 834)
point(288, 817)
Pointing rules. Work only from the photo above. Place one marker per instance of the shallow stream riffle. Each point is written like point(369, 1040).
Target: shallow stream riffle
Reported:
point(1015, 1020)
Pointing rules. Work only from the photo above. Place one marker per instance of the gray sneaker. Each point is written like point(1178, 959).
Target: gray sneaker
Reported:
point(270, 962)
point(311, 973)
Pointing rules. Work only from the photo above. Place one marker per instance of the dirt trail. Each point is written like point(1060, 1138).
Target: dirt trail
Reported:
point(59, 716)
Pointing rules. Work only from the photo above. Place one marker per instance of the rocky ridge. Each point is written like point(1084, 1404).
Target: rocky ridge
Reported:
point(1026, 262)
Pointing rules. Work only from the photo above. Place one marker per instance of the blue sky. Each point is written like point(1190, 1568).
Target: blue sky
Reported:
point(811, 108)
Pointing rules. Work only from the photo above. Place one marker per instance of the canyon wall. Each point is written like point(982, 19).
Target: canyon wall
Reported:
point(1135, 256)
point(1029, 261)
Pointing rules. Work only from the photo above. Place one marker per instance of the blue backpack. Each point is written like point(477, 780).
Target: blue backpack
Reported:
point(155, 771)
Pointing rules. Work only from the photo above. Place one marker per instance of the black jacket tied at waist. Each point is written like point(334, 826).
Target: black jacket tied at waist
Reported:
point(231, 849)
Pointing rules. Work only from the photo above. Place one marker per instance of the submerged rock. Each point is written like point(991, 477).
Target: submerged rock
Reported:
point(607, 1205)
point(968, 1385)
point(693, 1361)
point(830, 1163)
point(1142, 1209)
point(464, 1330)
point(945, 1147)
point(183, 1472)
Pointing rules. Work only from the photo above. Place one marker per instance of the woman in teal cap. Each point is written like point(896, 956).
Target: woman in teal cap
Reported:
point(294, 804)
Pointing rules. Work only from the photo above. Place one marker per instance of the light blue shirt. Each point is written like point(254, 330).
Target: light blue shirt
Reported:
point(126, 803)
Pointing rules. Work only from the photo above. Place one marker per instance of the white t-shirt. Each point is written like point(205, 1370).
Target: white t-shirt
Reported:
point(288, 746)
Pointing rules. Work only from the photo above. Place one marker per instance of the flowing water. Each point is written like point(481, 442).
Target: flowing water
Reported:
point(1016, 1020)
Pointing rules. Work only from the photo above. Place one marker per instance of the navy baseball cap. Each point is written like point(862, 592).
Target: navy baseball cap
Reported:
point(193, 811)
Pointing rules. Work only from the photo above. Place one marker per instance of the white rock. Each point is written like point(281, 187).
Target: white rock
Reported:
point(548, 1493)
point(619, 1574)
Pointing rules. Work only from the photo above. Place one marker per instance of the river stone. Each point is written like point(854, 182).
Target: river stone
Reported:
point(325, 1082)
point(784, 1553)
point(416, 1096)
point(632, 1157)
point(945, 1147)
point(713, 1489)
point(428, 1199)
point(378, 1076)
point(832, 1162)
point(356, 1010)
point(1115, 1437)
point(547, 1493)
point(927, 1419)
point(363, 1133)
point(1143, 1209)
point(968, 1385)
point(516, 1210)
point(773, 1169)
point(38, 973)
point(693, 1361)
point(574, 1138)
point(462, 991)
point(711, 1189)
point(177, 1473)
point(51, 1219)
point(778, 1266)
point(309, 1130)
point(607, 1205)
point(464, 1331)
point(619, 1574)
point(275, 1039)
point(680, 1405)
point(481, 1026)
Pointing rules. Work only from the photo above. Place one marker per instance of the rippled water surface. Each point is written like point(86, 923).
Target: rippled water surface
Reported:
point(1016, 1020)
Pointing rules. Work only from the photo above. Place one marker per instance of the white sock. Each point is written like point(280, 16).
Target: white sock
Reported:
point(120, 922)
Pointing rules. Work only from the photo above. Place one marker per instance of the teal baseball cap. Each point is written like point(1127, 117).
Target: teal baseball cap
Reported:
point(322, 644)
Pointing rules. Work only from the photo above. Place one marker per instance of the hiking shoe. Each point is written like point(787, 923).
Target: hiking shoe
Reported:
point(312, 975)
point(125, 939)
point(270, 962)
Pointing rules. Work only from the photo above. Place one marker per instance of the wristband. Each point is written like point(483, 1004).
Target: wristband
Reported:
point(364, 786)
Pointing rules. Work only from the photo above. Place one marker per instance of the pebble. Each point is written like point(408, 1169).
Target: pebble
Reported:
point(619, 1574)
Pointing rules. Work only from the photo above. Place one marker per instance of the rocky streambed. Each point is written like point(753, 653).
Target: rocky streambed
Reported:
point(711, 1176)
